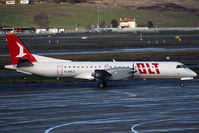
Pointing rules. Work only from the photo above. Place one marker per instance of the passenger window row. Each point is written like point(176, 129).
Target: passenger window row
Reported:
point(95, 67)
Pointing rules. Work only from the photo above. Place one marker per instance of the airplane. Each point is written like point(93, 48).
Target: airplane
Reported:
point(101, 71)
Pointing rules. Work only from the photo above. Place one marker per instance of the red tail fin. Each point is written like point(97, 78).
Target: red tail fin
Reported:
point(18, 50)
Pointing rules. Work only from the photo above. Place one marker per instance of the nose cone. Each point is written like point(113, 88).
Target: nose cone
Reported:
point(194, 74)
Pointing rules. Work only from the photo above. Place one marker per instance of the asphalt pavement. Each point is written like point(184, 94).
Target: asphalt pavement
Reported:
point(150, 106)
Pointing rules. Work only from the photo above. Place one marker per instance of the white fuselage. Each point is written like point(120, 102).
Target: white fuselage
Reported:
point(23, 61)
point(84, 70)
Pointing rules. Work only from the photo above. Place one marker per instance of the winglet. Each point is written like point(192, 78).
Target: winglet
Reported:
point(18, 50)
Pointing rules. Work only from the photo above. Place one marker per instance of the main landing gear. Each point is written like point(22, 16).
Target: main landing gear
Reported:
point(102, 84)
point(181, 84)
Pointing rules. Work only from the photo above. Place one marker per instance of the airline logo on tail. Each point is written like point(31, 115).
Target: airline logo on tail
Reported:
point(18, 50)
point(21, 51)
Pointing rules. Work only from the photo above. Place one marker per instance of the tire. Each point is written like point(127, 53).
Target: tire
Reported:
point(102, 84)
point(181, 84)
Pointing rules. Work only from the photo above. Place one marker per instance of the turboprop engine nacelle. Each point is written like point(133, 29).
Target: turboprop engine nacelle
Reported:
point(119, 73)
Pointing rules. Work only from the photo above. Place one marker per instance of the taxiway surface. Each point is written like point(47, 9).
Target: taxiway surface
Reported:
point(119, 50)
point(150, 106)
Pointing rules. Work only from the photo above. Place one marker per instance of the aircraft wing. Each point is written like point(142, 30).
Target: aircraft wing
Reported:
point(113, 74)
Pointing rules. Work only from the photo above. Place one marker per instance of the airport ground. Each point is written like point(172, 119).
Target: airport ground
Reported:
point(40, 105)
point(150, 106)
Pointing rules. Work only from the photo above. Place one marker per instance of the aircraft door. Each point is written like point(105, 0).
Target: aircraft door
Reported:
point(59, 71)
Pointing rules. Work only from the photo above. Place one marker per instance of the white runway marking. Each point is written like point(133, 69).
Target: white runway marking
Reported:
point(130, 94)
point(155, 121)
point(100, 121)
point(133, 128)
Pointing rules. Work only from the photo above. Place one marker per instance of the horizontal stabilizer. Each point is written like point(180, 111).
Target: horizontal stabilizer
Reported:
point(24, 72)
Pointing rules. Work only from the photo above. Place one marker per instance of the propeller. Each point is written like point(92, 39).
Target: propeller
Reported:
point(133, 71)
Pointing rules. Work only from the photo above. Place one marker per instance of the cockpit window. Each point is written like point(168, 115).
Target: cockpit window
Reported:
point(181, 66)
point(178, 66)
point(184, 66)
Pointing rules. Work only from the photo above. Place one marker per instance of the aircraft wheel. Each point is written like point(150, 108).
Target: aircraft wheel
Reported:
point(181, 84)
point(102, 84)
